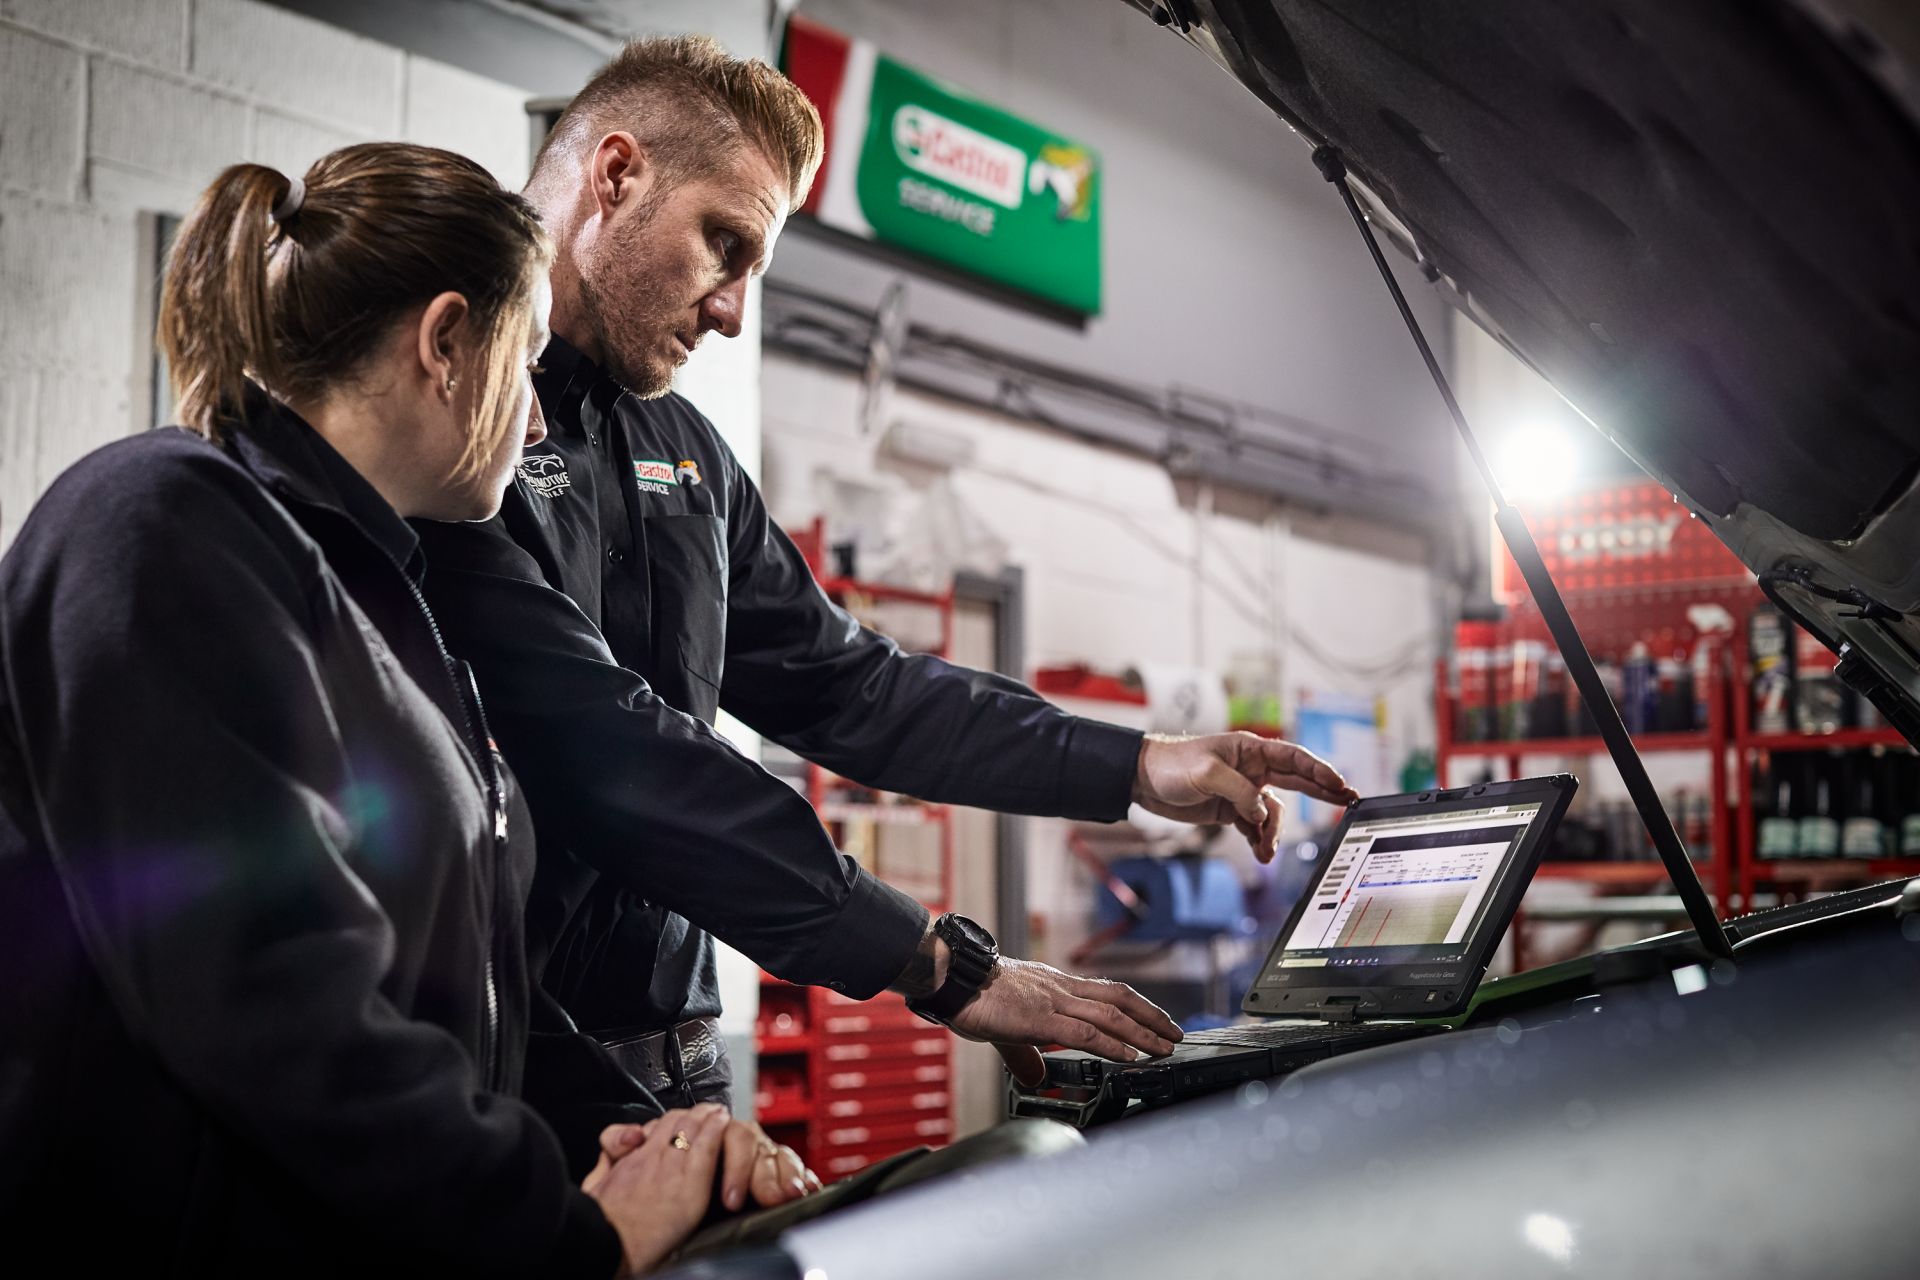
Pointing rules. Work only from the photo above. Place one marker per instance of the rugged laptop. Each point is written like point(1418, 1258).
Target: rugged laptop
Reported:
point(1398, 923)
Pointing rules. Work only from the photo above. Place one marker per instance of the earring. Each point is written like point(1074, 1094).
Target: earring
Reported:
point(451, 380)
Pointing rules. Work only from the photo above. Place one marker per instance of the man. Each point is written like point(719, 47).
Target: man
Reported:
point(665, 186)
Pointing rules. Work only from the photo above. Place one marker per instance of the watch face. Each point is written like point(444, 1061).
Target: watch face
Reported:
point(973, 932)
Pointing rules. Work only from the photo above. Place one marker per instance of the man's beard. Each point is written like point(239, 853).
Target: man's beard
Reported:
point(615, 322)
point(627, 332)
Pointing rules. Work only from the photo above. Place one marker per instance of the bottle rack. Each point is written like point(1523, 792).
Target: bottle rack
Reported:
point(1632, 565)
point(848, 1082)
point(1732, 872)
point(1717, 869)
point(1798, 876)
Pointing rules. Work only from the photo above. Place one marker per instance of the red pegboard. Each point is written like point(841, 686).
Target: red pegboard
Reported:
point(1624, 537)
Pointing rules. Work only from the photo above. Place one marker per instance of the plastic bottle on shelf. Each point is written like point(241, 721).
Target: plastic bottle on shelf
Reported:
point(1529, 656)
point(1818, 832)
point(1639, 694)
point(1623, 830)
point(1770, 673)
point(1474, 660)
point(1700, 681)
point(1907, 791)
point(1775, 796)
point(1695, 816)
point(1456, 706)
point(1501, 686)
point(1862, 833)
point(1674, 693)
point(1548, 718)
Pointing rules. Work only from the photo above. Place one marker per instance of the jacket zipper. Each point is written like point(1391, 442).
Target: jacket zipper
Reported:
point(481, 747)
point(497, 794)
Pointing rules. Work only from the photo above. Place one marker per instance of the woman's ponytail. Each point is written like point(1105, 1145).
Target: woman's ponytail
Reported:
point(216, 325)
point(298, 305)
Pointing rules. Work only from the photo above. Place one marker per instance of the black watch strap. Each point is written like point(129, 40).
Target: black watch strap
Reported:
point(973, 953)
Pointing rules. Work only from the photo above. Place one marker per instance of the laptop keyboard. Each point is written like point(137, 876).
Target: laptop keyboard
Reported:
point(1277, 1035)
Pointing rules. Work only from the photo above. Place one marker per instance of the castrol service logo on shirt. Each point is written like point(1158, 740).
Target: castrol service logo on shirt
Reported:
point(656, 476)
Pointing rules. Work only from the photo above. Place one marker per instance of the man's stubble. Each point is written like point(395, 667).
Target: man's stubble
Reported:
point(627, 312)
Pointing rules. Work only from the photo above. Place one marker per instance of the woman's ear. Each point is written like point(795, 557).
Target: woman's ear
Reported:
point(438, 343)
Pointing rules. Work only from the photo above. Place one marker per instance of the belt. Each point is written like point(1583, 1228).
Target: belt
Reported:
point(672, 1059)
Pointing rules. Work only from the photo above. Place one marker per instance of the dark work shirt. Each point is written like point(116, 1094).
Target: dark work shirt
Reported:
point(634, 585)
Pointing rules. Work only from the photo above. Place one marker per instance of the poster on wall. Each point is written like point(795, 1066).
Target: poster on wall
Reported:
point(924, 166)
point(1346, 731)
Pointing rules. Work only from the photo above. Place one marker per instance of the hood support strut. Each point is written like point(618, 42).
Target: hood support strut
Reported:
point(1566, 636)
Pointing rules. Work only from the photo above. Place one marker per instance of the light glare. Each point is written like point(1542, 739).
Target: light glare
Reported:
point(1550, 1235)
point(1537, 462)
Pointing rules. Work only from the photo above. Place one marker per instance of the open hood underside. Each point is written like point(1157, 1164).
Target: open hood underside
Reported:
point(1699, 221)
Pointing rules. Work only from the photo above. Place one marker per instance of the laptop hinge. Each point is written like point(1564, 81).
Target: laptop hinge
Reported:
point(1340, 1009)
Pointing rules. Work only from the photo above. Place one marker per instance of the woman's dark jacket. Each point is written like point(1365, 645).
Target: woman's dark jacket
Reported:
point(263, 998)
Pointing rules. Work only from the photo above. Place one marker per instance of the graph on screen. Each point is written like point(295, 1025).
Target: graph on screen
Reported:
point(1409, 883)
point(1391, 913)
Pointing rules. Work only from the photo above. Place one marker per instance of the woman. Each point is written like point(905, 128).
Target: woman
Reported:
point(262, 996)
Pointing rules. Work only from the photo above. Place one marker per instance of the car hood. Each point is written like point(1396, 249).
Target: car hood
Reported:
point(1700, 222)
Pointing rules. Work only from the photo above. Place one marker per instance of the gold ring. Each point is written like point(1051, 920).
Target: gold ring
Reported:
point(680, 1142)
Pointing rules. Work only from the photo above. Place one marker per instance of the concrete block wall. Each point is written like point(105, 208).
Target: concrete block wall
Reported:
point(117, 110)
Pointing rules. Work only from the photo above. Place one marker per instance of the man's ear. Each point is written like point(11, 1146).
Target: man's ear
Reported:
point(437, 341)
point(620, 173)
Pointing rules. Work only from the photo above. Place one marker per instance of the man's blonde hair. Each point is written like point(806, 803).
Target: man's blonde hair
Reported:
point(691, 105)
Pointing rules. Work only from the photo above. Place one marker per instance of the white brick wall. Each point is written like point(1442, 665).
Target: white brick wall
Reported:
point(153, 32)
point(161, 124)
point(455, 109)
point(66, 350)
point(292, 145)
point(41, 88)
point(114, 110)
point(295, 63)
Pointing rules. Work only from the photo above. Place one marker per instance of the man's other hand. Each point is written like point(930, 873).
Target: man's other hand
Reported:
point(1233, 777)
point(1026, 1003)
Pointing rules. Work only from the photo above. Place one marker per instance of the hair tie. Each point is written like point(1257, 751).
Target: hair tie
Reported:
point(291, 202)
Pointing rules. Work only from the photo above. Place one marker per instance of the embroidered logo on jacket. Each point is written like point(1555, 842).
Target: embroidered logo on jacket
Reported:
point(546, 474)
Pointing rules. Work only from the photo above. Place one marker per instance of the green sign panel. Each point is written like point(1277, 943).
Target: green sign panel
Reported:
point(939, 172)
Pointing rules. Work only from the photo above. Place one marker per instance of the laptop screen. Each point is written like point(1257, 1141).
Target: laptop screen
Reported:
point(1396, 883)
point(1404, 913)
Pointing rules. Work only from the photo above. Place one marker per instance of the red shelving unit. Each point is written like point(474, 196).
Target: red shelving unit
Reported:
point(1796, 875)
point(1630, 563)
point(1717, 871)
point(1521, 747)
point(848, 1082)
point(1823, 741)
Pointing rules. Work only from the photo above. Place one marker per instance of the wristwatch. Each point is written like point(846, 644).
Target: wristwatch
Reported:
point(974, 954)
